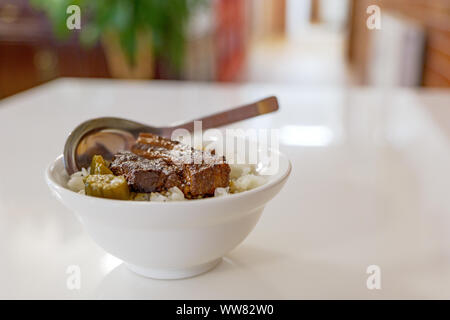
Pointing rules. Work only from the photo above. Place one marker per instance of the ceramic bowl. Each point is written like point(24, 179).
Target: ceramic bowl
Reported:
point(168, 240)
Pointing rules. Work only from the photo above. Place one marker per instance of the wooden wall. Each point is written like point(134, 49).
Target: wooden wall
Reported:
point(433, 15)
point(30, 55)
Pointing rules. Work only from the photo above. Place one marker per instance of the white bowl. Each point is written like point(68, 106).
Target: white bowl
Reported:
point(168, 240)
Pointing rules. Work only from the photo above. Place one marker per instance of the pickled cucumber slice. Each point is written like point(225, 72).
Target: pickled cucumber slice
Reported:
point(107, 186)
point(99, 166)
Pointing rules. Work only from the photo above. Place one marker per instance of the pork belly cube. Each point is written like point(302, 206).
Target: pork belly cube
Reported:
point(204, 179)
point(202, 172)
point(144, 175)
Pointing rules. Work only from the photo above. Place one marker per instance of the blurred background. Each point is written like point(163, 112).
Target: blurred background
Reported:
point(305, 42)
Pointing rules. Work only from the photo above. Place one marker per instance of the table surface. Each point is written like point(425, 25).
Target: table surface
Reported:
point(370, 186)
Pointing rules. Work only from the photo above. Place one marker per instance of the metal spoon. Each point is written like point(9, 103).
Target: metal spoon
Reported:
point(106, 136)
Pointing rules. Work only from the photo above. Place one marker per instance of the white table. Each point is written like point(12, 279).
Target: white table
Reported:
point(370, 186)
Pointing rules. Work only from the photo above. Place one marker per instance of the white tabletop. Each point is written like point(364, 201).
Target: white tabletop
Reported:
point(370, 186)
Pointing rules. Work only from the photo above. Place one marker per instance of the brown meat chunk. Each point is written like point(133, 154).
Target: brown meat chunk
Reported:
point(144, 175)
point(156, 141)
point(204, 179)
point(201, 172)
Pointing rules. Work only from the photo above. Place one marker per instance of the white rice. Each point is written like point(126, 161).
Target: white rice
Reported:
point(75, 182)
point(243, 178)
point(219, 192)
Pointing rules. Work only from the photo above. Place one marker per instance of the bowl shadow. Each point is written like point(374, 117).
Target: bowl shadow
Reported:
point(233, 278)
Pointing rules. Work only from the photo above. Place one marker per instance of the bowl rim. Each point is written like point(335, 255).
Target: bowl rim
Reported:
point(54, 185)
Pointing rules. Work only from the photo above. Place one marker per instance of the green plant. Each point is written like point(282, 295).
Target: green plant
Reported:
point(164, 21)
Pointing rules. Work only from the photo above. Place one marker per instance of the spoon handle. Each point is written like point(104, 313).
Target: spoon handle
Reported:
point(260, 107)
